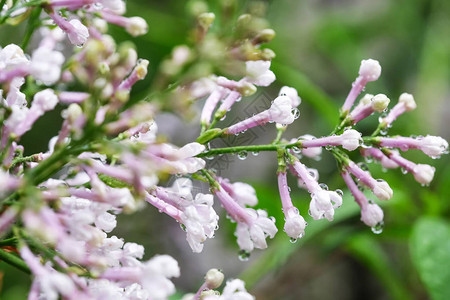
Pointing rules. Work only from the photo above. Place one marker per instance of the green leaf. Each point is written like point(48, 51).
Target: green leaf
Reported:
point(367, 249)
point(430, 250)
point(280, 249)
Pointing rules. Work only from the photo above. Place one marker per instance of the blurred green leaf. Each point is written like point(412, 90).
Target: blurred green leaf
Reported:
point(280, 249)
point(430, 249)
point(367, 249)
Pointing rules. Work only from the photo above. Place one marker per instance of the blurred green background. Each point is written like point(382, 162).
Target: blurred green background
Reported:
point(319, 46)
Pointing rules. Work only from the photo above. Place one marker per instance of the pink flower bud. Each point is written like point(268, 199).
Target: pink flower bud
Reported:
point(370, 69)
point(371, 214)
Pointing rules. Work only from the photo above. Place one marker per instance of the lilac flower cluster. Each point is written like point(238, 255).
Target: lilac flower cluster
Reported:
point(59, 207)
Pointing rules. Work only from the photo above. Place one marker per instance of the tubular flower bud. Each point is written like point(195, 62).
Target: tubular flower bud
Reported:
point(370, 69)
point(214, 278)
point(280, 112)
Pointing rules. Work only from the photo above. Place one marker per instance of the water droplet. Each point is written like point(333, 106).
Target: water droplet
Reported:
point(244, 255)
point(363, 166)
point(296, 112)
point(340, 192)
point(98, 6)
point(328, 147)
point(383, 131)
point(217, 227)
point(368, 159)
point(404, 171)
point(310, 212)
point(289, 189)
point(323, 186)
point(377, 229)
point(272, 219)
point(296, 150)
point(292, 240)
point(242, 155)
point(80, 45)
point(223, 118)
point(255, 153)
point(183, 227)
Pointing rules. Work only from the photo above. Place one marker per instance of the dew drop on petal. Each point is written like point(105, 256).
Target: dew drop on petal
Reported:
point(296, 112)
point(292, 240)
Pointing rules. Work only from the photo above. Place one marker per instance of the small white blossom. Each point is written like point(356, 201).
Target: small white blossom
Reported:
point(408, 101)
point(46, 65)
point(371, 214)
point(423, 173)
point(295, 224)
point(281, 110)
point(79, 34)
point(292, 94)
point(370, 69)
point(382, 190)
point(258, 72)
point(351, 139)
point(136, 26)
point(433, 146)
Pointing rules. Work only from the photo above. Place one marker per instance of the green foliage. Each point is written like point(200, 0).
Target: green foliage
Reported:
point(430, 250)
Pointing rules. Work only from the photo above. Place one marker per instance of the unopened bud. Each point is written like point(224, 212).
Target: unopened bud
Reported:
point(246, 89)
point(265, 36)
point(73, 112)
point(267, 54)
point(243, 20)
point(136, 26)
point(380, 102)
point(408, 101)
point(205, 20)
point(370, 69)
point(214, 278)
point(141, 68)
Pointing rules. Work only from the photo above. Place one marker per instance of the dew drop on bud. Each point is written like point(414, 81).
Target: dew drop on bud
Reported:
point(296, 150)
point(296, 112)
point(363, 166)
point(323, 186)
point(340, 192)
point(368, 159)
point(377, 229)
point(183, 227)
point(292, 240)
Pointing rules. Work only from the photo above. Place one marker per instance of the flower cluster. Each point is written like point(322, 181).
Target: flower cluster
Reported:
point(59, 207)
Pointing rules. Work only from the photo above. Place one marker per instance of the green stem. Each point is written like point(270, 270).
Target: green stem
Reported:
point(345, 122)
point(33, 22)
point(19, 160)
point(14, 260)
point(255, 148)
point(8, 242)
point(19, 6)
